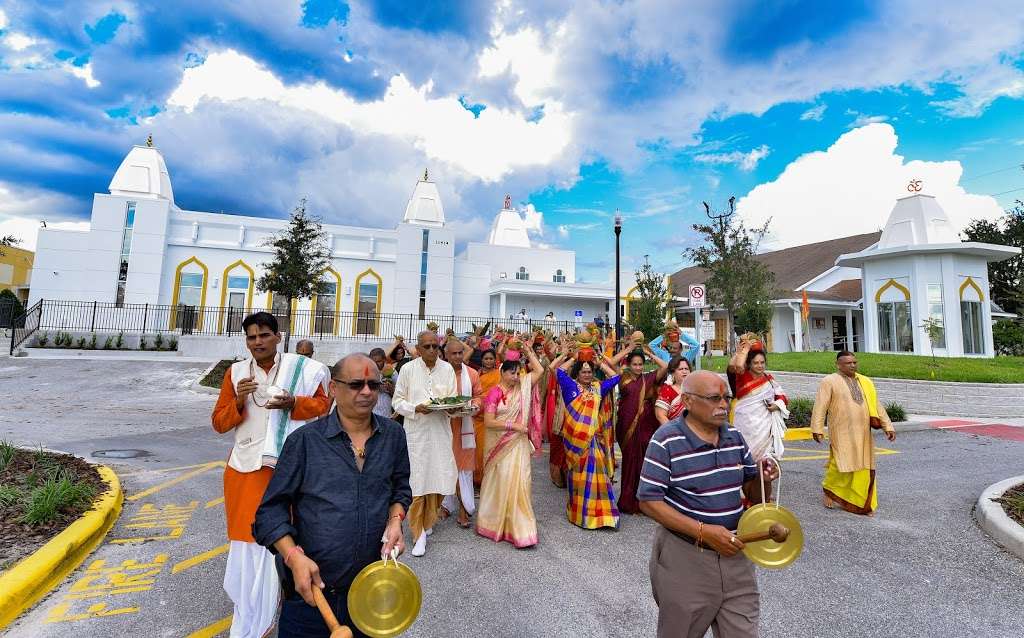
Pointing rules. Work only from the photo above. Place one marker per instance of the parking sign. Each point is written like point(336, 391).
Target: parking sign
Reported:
point(696, 296)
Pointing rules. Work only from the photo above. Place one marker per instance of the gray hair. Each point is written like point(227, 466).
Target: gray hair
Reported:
point(423, 333)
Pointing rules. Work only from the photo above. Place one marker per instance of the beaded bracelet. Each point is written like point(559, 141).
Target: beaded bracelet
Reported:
point(291, 551)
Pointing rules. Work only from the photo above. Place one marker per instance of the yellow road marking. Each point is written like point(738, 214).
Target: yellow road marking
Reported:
point(214, 503)
point(166, 469)
point(199, 558)
point(215, 629)
point(178, 479)
point(818, 455)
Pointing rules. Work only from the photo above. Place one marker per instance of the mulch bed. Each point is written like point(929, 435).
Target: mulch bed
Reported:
point(215, 377)
point(19, 539)
point(1012, 501)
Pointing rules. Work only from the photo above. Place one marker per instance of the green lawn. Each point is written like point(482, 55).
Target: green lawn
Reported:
point(893, 366)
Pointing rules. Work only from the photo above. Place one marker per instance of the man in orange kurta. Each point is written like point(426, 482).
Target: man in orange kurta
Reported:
point(243, 406)
point(467, 383)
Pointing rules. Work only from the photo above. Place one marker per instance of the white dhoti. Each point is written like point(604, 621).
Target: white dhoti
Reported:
point(465, 494)
point(251, 582)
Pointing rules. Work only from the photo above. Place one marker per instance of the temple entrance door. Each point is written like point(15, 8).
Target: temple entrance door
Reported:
point(838, 333)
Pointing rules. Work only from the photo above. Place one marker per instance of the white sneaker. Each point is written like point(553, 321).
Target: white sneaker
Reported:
point(421, 545)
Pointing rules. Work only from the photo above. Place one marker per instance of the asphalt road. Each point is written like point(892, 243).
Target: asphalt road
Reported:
point(921, 567)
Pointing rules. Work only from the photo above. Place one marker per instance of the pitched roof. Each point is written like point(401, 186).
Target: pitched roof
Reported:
point(793, 267)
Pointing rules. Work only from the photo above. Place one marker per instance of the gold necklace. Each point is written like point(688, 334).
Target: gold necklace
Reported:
point(359, 451)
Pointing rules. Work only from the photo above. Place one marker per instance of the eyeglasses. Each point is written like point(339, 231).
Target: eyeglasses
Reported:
point(427, 346)
point(357, 385)
point(712, 398)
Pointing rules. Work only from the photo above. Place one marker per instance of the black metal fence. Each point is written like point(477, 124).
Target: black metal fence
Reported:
point(102, 317)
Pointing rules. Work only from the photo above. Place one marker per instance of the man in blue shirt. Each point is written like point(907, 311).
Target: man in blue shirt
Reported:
point(695, 473)
point(336, 501)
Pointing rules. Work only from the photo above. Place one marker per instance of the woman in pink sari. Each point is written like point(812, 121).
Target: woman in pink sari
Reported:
point(512, 418)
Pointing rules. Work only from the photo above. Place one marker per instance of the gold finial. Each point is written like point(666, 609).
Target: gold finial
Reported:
point(149, 141)
point(426, 175)
point(915, 186)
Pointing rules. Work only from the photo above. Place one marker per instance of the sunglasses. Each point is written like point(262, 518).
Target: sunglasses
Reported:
point(428, 346)
point(357, 385)
point(712, 398)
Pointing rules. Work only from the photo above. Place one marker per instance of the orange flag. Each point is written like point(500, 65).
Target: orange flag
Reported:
point(805, 307)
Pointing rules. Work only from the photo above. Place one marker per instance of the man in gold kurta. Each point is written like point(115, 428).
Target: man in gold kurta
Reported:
point(850, 405)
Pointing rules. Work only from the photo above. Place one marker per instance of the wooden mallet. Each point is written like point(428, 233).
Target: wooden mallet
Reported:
point(337, 629)
point(777, 532)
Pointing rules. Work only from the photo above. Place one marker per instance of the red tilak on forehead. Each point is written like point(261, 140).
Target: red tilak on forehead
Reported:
point(366, 370)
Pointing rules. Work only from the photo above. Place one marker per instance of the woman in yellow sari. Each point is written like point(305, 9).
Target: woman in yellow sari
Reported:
point(512, 416)
point(489, 377)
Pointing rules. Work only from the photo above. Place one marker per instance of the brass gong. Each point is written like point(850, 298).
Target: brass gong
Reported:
point(384, 599)
point(769, 553)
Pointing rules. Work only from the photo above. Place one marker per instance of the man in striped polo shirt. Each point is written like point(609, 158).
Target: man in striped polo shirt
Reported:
point(695, 473)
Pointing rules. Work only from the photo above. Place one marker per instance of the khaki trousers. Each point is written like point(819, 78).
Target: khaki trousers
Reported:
point(423, 513)
point(695, 590)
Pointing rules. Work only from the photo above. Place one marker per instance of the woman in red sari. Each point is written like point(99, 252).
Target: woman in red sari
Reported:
point(636, 423)
point(670, 397)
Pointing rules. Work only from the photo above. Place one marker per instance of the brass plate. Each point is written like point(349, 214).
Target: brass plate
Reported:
point(384, 599)
point(768, 553)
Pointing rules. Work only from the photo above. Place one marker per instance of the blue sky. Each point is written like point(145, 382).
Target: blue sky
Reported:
point(811, 115)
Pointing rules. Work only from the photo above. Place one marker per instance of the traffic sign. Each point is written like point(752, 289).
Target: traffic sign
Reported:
point(696, 296)
point(577, 313)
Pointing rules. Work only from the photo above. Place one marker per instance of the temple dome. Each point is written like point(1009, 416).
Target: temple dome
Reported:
point(508, 228)
point(425, 206)
point(916, 220)
point(143, 173)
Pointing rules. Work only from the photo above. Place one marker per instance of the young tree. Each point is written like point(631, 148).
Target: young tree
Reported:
point(647, 307)
point(736, 280)
point(301, 256)
point(1005, 277)
point(7, 241)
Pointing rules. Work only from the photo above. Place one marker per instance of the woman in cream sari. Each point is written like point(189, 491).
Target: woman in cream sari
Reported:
point(512, 418)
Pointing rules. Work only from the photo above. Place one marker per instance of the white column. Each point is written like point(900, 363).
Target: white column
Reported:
point(501, 306)
point(849, 329)
point(798, 337)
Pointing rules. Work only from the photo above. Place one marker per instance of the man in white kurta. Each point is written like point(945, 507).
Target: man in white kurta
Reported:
point(429, 434)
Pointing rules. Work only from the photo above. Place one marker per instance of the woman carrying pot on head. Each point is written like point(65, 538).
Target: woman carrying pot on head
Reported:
point(759, 402)
point(588, 438)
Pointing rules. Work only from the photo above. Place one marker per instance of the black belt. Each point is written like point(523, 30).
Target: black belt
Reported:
point(684, 537)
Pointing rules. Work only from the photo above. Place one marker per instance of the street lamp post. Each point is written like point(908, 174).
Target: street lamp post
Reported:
point(618, 295)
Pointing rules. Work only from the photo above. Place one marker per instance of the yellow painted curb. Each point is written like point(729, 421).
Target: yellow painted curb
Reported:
point(798, 434)
point(24, 584)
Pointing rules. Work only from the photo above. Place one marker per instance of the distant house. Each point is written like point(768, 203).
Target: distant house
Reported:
point(873, 292)
point(15, 271)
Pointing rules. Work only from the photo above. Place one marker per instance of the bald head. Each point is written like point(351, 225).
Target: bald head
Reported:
point(355, 366)
point(304, 348)
point(706, 397)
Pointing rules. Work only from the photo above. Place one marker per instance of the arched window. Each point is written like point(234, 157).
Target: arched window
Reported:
point(972, 319)
point(522, 274)
point(189, 295)
point(236, 295)
point(327, 304)
point(559, 277)
point(895, 332)
point(369, 288)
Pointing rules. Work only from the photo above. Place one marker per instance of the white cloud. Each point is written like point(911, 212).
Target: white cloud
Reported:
point(523, 54)
point(745, 161)
point(27, 228)
point(85, 73)
point(851, 188)
point(488, 147)
point(533, 220)
point(3, 19)
point(814, 113)
point(18, 41)
point(563, 231)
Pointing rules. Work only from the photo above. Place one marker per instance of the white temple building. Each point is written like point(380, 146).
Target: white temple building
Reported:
point(142, 249)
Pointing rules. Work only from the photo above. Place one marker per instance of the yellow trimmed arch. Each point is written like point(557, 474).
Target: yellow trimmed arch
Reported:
point(224, 289)
point(337, 300)
point(627, 300)
point(892, 283)
point(369, 272)
point(973, 284)
point(172, 324)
